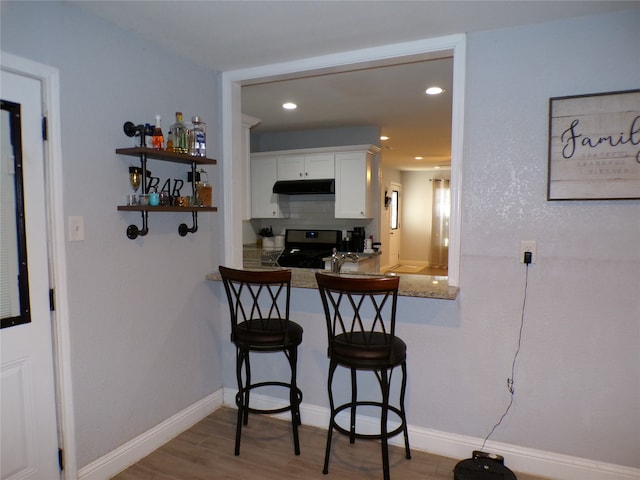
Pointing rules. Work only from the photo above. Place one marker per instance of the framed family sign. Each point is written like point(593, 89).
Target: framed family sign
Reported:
point(594, 146)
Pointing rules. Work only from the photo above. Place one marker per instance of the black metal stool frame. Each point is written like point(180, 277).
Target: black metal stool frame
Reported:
point(370, 345)
point(262, 325)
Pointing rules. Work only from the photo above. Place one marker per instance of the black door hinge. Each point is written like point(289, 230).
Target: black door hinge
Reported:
point(52, 299)
point(61, 459)
point(44, 128)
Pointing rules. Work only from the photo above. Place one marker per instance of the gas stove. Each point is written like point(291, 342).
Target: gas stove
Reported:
point(307, 248)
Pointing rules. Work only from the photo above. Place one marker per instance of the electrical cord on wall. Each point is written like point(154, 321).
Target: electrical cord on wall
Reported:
point(511, 380)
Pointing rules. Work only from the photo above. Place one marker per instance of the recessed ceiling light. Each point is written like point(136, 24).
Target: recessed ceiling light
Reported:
point(434, 90)
point(418, 158)
point(289, 106)
point(384, 137)
point(437, 167)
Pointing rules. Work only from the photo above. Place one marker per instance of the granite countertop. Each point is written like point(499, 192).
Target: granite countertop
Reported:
point(362, 256)
point(424, 286)
point(252, 252)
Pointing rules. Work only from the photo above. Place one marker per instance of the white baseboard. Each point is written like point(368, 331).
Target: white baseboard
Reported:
point(520, 459)
point(126, 455)
point(525, 460)
point(417, 263)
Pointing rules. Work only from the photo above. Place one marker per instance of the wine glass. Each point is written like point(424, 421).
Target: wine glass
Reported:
point(135, 178)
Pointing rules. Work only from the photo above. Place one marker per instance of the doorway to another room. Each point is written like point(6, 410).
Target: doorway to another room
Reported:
point(420, 208)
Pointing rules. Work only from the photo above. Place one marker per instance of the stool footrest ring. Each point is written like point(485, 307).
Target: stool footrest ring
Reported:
point(268, 411)
point(371, 436)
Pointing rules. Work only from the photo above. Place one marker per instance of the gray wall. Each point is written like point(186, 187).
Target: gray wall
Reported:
point(314, 138)
point(145, 324)
point(143, 331)
point(577, 387)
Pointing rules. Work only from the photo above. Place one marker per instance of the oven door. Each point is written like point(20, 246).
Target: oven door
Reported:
point(302, 259)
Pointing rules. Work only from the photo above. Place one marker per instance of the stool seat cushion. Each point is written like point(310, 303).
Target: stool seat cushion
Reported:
point(372, 350)
point(268, 333)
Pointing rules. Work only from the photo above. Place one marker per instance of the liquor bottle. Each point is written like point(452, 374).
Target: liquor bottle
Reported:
point(170, 141)
point(180, 135)
point(157, 138)
point(148, 135)
point(198, 144)
point(204, 189)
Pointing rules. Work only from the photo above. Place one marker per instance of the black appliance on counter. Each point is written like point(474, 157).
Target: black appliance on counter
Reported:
point(307, 248)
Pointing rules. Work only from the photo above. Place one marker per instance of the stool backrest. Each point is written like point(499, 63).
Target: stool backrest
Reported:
point(358, 308)
point(257, 296)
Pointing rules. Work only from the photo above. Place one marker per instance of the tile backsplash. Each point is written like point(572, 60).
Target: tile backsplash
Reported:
point(310, 211)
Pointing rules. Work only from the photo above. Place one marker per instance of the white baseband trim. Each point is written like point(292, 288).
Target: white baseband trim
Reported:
point(520, 459)
point(126, 455)
point(526, 460)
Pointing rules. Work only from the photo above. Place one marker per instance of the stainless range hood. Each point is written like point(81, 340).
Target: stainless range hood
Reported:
point(304, 187)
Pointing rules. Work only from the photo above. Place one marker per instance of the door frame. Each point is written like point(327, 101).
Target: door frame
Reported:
point(395, 186)
point(235, 167)
point(49, 79)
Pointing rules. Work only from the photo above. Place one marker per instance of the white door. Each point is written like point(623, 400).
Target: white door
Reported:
point(28, 410)
point(394, 225)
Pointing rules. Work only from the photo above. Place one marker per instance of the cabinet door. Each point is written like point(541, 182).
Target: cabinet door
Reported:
point(319, 165)
point(264, 203)
point(306, 167)
point(291, 167)
point(353, 185)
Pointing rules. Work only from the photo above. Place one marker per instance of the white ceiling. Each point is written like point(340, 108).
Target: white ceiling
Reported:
point(391, 98)
point(230, 35)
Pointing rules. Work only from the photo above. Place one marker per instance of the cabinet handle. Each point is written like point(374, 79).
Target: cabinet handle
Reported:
point(306, 174)
point(300, 174)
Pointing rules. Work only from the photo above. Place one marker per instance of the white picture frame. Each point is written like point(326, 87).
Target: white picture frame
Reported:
point(594, 147)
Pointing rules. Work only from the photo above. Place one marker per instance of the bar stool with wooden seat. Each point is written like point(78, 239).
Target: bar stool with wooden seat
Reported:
point(259, 307)
point(360, 315)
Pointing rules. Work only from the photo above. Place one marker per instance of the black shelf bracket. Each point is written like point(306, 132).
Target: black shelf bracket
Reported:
point(134, 232)
point(183, 229)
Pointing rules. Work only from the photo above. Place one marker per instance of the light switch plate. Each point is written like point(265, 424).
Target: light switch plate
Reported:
point(76, 229)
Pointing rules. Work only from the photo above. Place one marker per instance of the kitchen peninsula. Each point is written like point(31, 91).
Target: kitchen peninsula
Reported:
point(423, 286)
point(303, 273)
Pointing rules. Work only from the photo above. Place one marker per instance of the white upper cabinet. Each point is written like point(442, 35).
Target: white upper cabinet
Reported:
point(354, 196)
point(306, 167)
point(264, 203)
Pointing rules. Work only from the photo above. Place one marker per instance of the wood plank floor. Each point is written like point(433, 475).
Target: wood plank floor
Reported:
point(205, 452)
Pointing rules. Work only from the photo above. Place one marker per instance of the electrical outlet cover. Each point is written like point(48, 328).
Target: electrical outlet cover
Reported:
point(528, 246)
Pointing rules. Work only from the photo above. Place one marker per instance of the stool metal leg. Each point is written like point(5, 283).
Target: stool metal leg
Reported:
point(332, 369)
point(354, 402)
point(242, 397)
point(247, 386)
point(402, 410)
point(294, 400)
point(384, 384)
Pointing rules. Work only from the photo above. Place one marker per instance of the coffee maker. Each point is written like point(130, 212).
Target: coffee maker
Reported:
point(357, 239)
